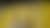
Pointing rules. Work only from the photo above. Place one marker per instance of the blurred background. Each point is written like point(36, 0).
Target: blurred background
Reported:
point(24, 13)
